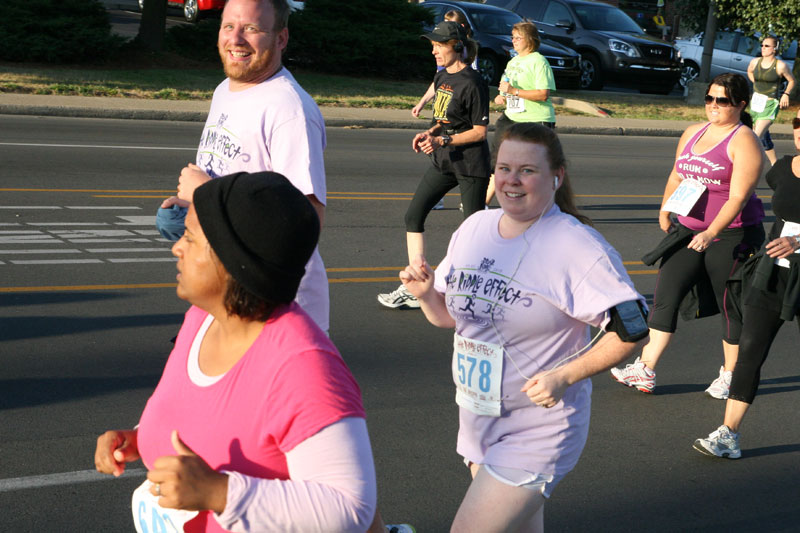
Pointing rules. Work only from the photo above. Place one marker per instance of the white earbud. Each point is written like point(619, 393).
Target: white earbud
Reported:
point(555, 181)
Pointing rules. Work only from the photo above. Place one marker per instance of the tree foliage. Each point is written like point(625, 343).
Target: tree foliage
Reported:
point(776, 17)
point(363, 37)
point(56, 31)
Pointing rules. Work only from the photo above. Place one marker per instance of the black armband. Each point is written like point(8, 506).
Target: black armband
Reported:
point(629, 321)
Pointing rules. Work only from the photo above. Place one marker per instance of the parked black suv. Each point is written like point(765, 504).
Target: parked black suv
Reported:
point(611, 44)
point(492, 29)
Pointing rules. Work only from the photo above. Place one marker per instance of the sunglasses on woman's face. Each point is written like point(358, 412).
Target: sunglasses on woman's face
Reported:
point(722, 101)
point(795, 123)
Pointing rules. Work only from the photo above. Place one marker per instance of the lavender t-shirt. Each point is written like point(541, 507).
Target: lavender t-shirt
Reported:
point(273, 126)
point(550, 284)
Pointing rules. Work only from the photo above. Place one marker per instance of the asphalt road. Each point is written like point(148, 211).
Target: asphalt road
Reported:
point(87, 308)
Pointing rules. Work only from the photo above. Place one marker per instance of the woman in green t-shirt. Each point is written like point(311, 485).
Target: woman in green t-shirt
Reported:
point(525, 89)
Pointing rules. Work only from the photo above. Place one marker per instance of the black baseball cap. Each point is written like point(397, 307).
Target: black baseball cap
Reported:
point(447, 31)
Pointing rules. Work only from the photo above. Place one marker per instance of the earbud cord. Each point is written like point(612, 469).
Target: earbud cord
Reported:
point(503, 342)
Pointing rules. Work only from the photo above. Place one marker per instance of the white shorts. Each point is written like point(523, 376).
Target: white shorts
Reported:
point(517, 477)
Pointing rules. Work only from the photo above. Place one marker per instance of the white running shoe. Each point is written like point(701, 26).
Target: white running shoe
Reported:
point(721, 443)
point(439, 205)
point(636, 375)
point(721, 386)
point(400, 528)
point(399, 299)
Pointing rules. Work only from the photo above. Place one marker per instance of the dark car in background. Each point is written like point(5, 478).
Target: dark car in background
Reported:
point(491, 27)
point(611, 44)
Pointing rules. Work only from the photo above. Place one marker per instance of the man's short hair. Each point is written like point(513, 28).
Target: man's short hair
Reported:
point(281, 13)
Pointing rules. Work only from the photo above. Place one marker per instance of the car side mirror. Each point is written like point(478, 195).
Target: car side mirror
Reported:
point(566, 24)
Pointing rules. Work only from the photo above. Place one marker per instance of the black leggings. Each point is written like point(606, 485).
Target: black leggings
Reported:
point(432, 188)
point(760, 326)
point(681, 270)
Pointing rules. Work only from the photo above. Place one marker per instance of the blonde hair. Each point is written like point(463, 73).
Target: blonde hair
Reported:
point(530, 33)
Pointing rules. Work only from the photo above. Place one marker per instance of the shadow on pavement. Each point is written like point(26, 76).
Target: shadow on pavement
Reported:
point(28, 392)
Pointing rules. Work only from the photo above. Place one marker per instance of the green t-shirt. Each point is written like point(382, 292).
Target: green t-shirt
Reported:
point(531, 72)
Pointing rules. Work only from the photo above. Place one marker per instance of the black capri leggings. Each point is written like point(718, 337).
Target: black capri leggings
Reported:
point(761, 320)
point(432, 188)
point(681, 270)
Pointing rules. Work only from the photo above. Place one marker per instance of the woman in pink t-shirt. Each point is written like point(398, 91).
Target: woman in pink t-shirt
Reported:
point(521, 286)
point(256, 423)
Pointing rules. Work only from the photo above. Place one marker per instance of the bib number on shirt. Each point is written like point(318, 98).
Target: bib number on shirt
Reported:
point(682, 199)
point(514, 104)
point(477, 373)
point(790, 229)
point(149, 517)
point(758, 102)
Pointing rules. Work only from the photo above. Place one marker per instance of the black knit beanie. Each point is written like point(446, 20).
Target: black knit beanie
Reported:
point(262, 228)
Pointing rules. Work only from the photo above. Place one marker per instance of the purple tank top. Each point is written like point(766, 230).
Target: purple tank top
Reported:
point(713, 169)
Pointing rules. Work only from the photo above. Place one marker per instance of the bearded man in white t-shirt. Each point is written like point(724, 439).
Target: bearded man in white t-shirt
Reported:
point(261, 119)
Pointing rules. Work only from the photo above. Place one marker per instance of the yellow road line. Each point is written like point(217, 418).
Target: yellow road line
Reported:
point(88, 190)
point(54, 288)
point(60, 288)
point(332, 195)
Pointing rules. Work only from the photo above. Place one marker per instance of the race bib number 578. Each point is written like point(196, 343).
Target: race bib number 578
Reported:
point(477, 373)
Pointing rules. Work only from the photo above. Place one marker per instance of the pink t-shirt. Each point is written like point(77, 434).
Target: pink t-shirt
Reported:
point(273, 126)
point(713, 168)
point(548, 291)
point(290, 384)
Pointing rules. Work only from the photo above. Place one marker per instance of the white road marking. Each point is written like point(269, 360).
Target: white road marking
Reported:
point(29, 207)
point(110, 207)
point(115, 147)
point(42, 251)
point(142, 260)
point(63, 478)
point(114, 250)
point(20, 231)
point(117, 241)
point(57, 262)
point(28, 239)
point(67, 223)
point(138, 221)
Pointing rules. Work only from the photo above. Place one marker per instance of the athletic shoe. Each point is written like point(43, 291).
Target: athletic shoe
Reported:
point(636, 375)
point(720, 387)
point(721, 443)
point(399, 299)
point(400, 528)
point(439, 205)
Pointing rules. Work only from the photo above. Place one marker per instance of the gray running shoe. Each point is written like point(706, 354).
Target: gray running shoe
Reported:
point(400, 528)
point(721, 443)
point(399, 299)
point(720, 387)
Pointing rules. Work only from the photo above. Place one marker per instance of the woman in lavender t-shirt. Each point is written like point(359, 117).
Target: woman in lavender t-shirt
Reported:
point(521, 286)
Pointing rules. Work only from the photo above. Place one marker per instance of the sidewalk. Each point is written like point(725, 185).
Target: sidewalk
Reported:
point(195, 111)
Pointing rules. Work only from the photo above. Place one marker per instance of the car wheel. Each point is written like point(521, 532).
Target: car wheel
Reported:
point(489, 67)
point(689, 73)
point(190, 10)
point(591, 75)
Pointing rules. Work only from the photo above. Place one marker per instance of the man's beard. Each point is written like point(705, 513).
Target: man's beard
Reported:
point(245, 72)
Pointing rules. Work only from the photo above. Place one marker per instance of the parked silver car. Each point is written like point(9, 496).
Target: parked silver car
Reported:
point(733, 52)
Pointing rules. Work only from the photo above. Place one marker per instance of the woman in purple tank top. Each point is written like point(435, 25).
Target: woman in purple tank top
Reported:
point(711, 187)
